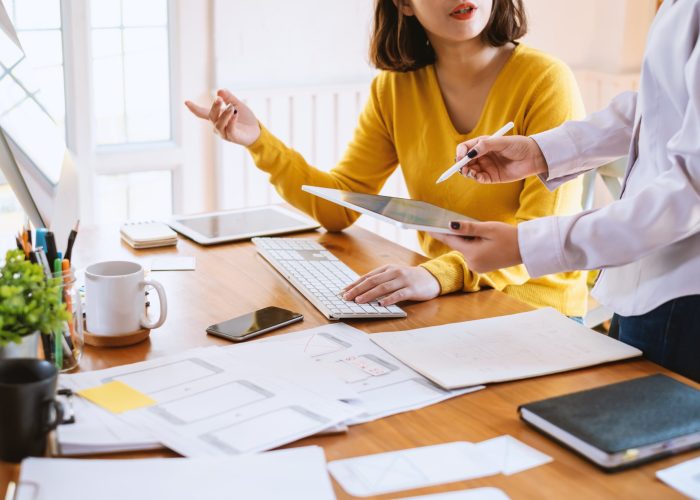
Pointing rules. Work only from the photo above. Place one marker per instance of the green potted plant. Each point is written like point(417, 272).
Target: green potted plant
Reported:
point(30, 305)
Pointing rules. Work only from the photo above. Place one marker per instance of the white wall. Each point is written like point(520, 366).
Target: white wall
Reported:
point(602, 35)
point(270, 44)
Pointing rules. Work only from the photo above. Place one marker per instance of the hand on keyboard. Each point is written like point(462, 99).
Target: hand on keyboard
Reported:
point(393, 284)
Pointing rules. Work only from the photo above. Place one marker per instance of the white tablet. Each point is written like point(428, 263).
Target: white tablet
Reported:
point(241, 224)
point(402, 212)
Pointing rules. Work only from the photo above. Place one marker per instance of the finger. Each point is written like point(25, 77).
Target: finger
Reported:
point(228, 97)
point(465, 146)
point(439, 236)
point(469, 228)
point(395, 297)
point(368, 284)
point(485, 145)
point(198, 111)
point(364, 277)
point(467, 172)
point(462, 244)
point(380, 291)
point(223, 120)
point(232, 123)
point(215, 110)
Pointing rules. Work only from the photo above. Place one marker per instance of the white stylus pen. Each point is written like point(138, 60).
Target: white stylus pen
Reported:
point(457, 166)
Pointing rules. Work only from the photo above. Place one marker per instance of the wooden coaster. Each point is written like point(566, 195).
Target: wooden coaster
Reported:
point(116, 340)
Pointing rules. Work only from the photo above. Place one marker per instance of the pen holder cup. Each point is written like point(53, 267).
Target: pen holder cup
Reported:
point(64, 346)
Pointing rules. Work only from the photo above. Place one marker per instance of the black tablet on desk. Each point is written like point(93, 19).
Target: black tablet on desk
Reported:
point(241, 224)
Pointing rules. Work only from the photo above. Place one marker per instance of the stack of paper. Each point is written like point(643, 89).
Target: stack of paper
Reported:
point(376, 383)
point(243, 398)
point(299, 473)
point(430, 465)
point(202, 404)
point(511, 347)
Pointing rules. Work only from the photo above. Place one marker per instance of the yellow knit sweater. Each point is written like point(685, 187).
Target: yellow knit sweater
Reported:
point(405, 122)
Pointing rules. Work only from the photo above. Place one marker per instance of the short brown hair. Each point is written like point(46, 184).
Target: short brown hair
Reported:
point(399, 42)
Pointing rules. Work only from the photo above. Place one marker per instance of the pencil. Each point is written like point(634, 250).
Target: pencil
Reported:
point(71, 241)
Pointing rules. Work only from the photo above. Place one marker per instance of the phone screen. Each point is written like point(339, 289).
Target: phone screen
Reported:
point(259, 321)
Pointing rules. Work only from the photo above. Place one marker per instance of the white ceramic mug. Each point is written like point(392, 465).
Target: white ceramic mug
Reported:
point(115, 298)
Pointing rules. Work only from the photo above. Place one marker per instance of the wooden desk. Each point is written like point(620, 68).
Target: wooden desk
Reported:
point(232, 279)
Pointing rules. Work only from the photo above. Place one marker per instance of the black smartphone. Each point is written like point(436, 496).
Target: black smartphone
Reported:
point(255, 323)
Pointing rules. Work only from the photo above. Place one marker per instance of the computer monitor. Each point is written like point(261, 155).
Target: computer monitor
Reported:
point(33, 156)
point(44, 181)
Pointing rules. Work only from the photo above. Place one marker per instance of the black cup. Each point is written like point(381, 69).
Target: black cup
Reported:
point(28, 408)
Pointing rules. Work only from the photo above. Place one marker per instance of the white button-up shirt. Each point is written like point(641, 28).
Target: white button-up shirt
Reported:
point(648, 242)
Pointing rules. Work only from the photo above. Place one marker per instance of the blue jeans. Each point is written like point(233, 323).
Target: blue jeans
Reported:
point(668, 335)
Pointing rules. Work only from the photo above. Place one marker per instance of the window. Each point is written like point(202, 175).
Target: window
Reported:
point(130, 71)
point(31, 88)
point(136, 196)
point(38, 88)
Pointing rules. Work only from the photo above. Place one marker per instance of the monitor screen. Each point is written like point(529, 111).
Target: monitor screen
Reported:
point(32, 142)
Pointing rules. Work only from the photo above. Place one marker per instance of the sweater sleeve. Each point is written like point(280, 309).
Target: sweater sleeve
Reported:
point(368, 161)
point(554, 99)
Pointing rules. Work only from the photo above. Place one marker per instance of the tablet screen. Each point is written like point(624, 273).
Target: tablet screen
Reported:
point(414, 212)
point(236, 223)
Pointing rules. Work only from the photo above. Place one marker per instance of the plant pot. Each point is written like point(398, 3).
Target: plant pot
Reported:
point(27, 348)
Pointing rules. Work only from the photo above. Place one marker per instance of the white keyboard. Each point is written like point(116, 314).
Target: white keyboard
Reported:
point(319, 276)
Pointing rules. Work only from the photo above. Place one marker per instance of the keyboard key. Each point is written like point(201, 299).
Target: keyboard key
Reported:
point(321, 278)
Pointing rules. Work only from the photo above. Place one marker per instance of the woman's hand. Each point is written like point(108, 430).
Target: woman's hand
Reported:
point(232, 119)
point(501, 159)
point(394, 284)
point(486, 246)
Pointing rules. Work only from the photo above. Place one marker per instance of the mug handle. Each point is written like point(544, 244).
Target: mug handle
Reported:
point(57, 417)
point(145, 322)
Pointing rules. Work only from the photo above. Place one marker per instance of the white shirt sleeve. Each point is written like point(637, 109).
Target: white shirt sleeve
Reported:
point(660, 214)
point(576, 147)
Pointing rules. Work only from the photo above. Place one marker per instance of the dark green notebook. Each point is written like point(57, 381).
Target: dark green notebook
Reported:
point(622, 424)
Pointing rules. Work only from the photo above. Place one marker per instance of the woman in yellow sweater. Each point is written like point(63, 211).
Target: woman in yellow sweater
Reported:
point(452, 71)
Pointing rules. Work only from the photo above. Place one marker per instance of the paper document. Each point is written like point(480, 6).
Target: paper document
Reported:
point(408, 469)
point(206, 406)
point(384, 385)
point(98, 431)
point(173, 263)
point(116, 397)
point(298, 473)
point(430, 465)
point(684, 477)
point(512, 455)
point(471, 494)
point(504, 348)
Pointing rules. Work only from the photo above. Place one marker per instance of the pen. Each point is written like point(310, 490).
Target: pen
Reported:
point(65, 267)
point(40, 238)
point(457, 166)
point(58, 334)
point(41, 259)
point(71, 240)
point(51, 253)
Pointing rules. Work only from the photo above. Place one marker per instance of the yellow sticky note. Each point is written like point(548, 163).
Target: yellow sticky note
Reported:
point(117, 397)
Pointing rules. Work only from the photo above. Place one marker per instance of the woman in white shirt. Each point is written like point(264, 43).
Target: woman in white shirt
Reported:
point(648, 242)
